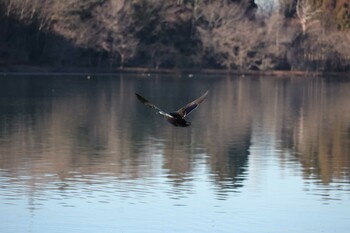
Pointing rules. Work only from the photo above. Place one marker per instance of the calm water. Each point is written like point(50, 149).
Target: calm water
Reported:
point(262, 155)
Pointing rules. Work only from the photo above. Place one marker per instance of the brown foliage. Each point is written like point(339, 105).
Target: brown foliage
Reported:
point(300, 34)
point(226, 34)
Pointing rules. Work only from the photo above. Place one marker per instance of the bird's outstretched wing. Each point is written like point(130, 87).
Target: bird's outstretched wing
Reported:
point(148, 104)
point(184, 111)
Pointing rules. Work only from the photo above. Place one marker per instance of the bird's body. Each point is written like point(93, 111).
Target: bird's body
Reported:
point(176, 118)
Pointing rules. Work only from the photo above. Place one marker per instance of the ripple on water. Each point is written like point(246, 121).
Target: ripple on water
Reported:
point(262, 153)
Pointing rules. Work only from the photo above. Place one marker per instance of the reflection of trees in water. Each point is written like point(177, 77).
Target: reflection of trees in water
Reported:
point(78, 124)
point(229, 169)
point(227, 137)
point(321, 130)
point(311, 117)
point(94, 126)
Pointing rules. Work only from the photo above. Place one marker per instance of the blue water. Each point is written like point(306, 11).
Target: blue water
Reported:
point(263, 154)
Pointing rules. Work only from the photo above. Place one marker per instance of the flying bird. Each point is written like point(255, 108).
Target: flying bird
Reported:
point(176, 118)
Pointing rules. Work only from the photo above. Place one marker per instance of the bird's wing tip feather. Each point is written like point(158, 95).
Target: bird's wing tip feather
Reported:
point(184, 111)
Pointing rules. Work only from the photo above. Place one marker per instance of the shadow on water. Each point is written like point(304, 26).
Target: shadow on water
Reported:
point(66, 131)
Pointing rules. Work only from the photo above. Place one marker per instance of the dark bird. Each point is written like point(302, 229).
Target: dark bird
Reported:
point(176, 118)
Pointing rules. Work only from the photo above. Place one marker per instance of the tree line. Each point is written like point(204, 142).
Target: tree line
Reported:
point(312, 35)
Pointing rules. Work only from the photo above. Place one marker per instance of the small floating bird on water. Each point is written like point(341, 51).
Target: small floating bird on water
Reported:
point(176, 118)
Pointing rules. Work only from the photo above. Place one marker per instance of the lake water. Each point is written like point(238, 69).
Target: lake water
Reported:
point(263, 154)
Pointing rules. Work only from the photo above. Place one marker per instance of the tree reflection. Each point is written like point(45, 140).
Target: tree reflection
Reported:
point(229, 169)
point(321, 131)
point(227, 138)
point(311, 119)
point(78, 126)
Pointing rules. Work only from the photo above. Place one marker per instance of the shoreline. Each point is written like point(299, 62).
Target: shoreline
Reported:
point(43, 70)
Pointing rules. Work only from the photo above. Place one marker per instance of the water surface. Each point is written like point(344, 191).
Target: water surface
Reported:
point(263, 154)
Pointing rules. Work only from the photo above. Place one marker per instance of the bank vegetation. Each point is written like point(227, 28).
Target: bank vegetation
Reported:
point(307, 35)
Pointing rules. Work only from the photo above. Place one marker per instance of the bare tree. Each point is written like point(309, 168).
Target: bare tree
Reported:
point(330, 50)
point(303, 34)
point(341, 41)
point(100, 25)
point(307, 12)
point(112, 30)
point(227, 35)
point(38, 11)
point(277, 41)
